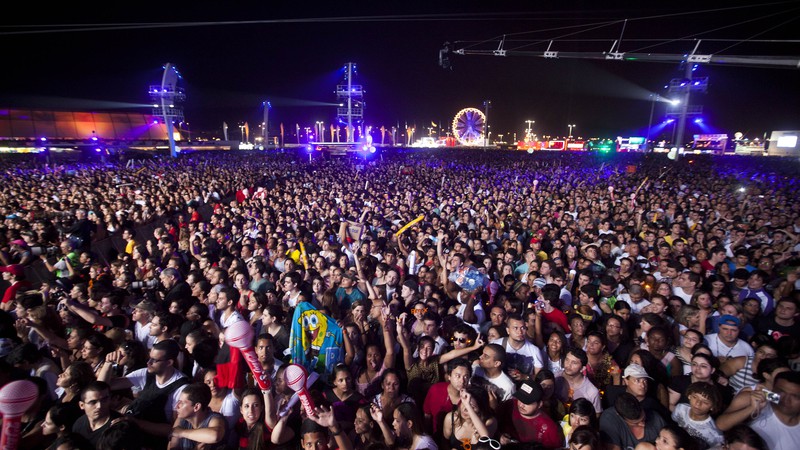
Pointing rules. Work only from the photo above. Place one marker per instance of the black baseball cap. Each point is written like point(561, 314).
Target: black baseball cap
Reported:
point(529, 392)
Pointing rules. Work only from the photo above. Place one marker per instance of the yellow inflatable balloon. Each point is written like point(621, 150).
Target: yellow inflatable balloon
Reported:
point(409, 225)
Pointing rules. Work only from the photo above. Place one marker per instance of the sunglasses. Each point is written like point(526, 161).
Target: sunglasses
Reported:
point(419, 310)
point(461, 340)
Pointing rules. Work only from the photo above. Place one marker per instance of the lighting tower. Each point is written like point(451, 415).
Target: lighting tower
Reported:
point(265, 124)
point(681, 89)
point(166, 99)
point(351, 102)
point(529, 130)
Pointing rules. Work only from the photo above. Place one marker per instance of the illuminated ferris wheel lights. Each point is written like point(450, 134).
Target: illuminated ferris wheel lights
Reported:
point(468, 126)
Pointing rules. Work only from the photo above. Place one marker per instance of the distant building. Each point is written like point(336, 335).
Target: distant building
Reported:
point(26, 124)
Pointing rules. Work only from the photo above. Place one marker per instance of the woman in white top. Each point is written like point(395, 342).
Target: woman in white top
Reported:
point(556, 351)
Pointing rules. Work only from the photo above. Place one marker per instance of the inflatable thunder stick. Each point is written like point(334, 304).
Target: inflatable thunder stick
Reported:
point(409, 225)
point(296, 376)
point(15, 398)
point(240, 335)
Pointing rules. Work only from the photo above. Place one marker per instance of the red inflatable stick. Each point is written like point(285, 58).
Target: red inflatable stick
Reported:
point(296, 376)
point(240, 335)
point(15, 398)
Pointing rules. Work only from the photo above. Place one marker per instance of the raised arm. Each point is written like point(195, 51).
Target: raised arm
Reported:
point(402, 337)
point(477, 422)
point(377, 416)
point(349, 350)
point(746, 405)
point(388, 340)
point(459, 352)
point(282, 433)
point(324, 417)
point(52, 339)
point(88, 314)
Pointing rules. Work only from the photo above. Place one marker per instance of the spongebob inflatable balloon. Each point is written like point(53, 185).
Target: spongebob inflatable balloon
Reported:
point(316, 339)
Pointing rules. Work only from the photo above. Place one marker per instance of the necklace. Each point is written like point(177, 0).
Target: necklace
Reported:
point(723, 344)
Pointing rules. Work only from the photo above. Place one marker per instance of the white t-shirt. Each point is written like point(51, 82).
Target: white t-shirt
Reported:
point(705, 430)
point(777, 435)
point(142, 333)
point(524, 359)
point(719, 349)
point(677, 290)
point(636, 308)
point(234, 317)
point(138, 378)
point(480, 315)
point(505, 385)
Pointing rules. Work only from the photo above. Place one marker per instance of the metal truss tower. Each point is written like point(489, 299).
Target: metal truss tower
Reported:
point(166, 99)
point(350, 97)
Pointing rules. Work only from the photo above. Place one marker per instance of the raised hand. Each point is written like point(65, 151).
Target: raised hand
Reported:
point(376, 413)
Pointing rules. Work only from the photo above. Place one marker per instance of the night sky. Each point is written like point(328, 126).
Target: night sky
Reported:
point(229, 69)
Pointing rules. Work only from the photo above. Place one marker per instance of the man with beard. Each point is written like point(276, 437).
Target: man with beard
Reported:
point(572, 383)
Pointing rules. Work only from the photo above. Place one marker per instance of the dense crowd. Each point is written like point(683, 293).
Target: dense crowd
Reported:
point(446, 300)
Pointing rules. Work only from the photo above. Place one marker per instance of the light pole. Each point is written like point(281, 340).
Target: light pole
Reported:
point(529, 129)
point(571, 126)
point(308, 131)
point(241, 129)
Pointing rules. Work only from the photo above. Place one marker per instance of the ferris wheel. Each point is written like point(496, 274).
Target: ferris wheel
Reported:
point(468, 126)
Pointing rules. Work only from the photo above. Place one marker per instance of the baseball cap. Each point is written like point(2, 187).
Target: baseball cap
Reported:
point(635, 371)
point(19, 242)
point(728, 319)
point(535, 240)
point(529, 392)
point(539, 282)
point(14, 269)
